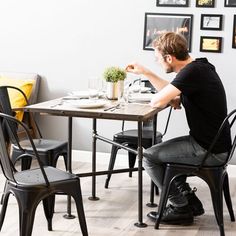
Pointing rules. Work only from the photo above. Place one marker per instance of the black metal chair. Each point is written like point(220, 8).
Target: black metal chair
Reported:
point(215, 176)
point(49, 150)
point(130, 139)
point(33, 185)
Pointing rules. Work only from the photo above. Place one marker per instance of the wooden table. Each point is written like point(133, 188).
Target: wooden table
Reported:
point(130, 112)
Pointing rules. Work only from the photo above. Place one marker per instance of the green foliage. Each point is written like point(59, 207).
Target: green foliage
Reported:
point(114, 74)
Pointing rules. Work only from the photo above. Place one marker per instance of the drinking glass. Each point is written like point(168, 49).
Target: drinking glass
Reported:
point(136, 86)
point(123, 95)
point(93, 88)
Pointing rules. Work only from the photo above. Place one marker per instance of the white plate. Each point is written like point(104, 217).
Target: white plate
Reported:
point(141, 97)
point(87, 103)
point(137, 88)
point(79, 94)
point(82, 94)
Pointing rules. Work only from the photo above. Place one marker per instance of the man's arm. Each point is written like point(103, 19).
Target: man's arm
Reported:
point(166, 96)
point(156, 81)
point(167, 93)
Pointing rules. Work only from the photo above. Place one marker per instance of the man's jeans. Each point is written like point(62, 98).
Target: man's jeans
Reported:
point(182, 150)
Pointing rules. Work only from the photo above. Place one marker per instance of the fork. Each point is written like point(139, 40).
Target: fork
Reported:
point(112, 108)
point(57, 104)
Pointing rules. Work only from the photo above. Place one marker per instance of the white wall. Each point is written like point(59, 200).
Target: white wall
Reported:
point(67, 41)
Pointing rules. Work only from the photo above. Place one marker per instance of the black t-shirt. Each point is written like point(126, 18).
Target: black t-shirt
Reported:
point(204, 100)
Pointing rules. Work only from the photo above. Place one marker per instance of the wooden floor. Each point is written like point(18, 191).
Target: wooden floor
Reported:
point(116, 211)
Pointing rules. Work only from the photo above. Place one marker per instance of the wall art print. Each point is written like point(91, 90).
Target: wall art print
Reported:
point(172, 3)
point(211, 22)
point(158, 23)
point(205, 3)
point(210, 44)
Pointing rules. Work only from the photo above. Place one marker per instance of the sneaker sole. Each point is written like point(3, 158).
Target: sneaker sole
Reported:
point(178, 222)
point(187, 221)
point(198, 212)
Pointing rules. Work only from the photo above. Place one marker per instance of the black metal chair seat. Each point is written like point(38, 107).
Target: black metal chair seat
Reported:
point(131, 136)
point(49, 150)
point(33, 177)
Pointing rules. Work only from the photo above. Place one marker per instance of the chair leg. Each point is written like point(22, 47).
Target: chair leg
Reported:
point(228, 198)
point(26, 163)
point(27, 209)
point(132, 159)
point(114, 151)
point(152, 188)
point(217, 200)
point(170, 174)
point(5, 198)
point(65, 160)
point(156, 190)
point(3, 193)
point(168, 178)
point(77, 195)
point(48, 205)
point(162, 203)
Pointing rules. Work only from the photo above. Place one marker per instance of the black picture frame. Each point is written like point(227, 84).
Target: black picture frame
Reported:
point(230, 3)
point(211, 22)
point(234, 33)
point(210, 44)
point(205, 3)
point(171, 3)
point(157, 23)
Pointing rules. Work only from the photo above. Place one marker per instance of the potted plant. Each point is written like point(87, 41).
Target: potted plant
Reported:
point(114, 77)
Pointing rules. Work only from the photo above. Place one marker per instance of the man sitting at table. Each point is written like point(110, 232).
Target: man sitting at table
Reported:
point(198, 87)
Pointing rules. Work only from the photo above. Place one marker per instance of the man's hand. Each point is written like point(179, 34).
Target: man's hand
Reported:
point(175, 103)
point(136, 68)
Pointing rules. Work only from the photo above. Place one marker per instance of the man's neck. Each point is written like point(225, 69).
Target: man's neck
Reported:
point(181, 64)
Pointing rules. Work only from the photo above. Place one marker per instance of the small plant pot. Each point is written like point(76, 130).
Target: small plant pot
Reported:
point(114, 89)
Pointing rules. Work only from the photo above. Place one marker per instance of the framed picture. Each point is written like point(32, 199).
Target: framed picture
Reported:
point(158, 23)
point(172, 3)
point(211, 22)
point(234, 33)
point(205, 3)
point(230, 3)
point(210, 44)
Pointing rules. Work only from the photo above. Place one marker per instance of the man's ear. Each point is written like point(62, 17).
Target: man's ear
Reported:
point(169, 59)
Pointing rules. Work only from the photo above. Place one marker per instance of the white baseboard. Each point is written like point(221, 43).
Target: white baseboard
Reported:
point(121, 160)
point(101, 157)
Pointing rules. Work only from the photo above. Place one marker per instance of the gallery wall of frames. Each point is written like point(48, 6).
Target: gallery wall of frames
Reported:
point(158, 23)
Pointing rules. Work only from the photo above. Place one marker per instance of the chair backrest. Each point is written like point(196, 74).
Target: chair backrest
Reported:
point(228, 121)
point(25, 76)
point(8, 78)
point(5, 107)
point(8, 169)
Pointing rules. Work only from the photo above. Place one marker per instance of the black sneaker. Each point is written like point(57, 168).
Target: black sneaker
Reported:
point(194, 203)
point(174, 215)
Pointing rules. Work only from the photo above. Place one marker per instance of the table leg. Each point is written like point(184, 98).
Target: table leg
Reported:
point(69, 169)
point(93, 197)
point(152, 188)
point(140, 223)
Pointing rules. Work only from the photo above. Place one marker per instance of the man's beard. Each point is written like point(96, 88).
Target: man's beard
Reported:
point(169, 69)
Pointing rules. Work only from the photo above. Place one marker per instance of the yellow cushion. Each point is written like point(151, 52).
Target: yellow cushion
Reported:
point(16, 98)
